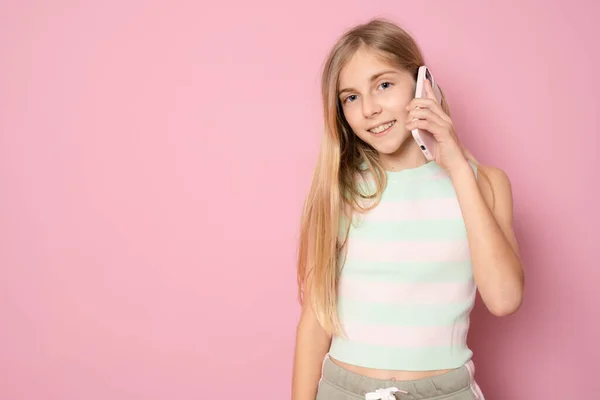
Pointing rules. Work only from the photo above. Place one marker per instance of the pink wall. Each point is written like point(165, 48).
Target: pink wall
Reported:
point(154, 159)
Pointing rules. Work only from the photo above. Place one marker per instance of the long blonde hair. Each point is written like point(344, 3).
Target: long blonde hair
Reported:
point(334, 192)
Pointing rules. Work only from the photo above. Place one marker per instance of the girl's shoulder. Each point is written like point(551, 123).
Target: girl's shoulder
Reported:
point(495, 186)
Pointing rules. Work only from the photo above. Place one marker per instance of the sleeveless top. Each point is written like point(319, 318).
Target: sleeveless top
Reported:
point(406, 286)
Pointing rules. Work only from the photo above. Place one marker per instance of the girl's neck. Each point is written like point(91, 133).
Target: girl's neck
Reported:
point(408, 156)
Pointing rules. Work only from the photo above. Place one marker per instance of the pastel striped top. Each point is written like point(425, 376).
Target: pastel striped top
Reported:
point(406, 286)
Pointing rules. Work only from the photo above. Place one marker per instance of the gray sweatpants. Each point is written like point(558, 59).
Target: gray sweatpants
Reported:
point(338, 383)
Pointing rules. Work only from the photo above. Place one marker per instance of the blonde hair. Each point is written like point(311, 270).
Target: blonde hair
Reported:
point(334, 192)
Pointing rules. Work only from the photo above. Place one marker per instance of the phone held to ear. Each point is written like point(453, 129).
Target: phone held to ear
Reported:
point(424, 139)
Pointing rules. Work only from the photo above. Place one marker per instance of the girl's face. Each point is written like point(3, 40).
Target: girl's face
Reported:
point(373, 97)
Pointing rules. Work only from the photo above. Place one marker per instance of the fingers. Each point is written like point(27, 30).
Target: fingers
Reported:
point(429, 102)
point(429, 90)
point(425, 118)
point(429, 126)
point(425, 113)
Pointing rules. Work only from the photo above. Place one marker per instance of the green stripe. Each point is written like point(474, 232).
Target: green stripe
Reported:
point(436, 189)
point(382, 357)
point(407, 271)
point(411, 190)
point(401, 315)
point(448, 229)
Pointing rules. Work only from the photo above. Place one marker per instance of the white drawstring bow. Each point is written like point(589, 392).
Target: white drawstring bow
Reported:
point(383, 394)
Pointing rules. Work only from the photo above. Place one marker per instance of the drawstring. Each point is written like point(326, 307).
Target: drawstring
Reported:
point(384, 394)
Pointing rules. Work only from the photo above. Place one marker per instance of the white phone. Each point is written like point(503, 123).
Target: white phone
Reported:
point(425, 139)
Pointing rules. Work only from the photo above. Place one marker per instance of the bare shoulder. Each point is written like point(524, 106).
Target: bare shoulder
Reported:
point(495, 187)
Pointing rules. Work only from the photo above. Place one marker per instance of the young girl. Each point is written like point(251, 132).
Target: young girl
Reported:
point(393, 248)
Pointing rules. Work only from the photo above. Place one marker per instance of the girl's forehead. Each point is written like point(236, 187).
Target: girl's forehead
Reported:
point(362, 67)
point(366, 60)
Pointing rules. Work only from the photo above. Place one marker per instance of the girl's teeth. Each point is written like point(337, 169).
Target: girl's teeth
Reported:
point(382, 128)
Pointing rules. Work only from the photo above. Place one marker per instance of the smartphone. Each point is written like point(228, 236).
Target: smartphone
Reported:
point(424, 139)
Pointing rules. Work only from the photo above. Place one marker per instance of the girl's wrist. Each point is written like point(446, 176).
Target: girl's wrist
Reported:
point(460, 169)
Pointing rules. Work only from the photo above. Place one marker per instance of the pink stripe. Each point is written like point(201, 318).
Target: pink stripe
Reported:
point(439, 175)
point(396, 251)
point(408, 336)
point(424, 209)
point(407, 293)
point(477, 391)
point(471, 368)
point(474, 386)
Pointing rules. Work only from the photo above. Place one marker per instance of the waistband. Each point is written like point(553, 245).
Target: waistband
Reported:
point(457, 380)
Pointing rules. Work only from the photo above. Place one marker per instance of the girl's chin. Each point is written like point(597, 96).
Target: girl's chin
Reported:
point(392, 144)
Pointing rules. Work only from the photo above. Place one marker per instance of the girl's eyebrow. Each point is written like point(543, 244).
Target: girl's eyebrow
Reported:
point(373, 78)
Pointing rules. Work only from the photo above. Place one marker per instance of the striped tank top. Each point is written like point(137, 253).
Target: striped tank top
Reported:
point(406, 286)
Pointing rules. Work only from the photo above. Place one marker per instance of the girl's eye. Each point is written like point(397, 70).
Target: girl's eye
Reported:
point(350, 98)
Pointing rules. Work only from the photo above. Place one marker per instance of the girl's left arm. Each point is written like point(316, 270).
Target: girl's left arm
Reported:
point(494, 253)
point(487, 207)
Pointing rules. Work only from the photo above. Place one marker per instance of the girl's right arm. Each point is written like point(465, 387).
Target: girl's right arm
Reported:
point(312, 344)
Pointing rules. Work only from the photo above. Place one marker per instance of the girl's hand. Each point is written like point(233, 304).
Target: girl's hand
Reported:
point(426, 113)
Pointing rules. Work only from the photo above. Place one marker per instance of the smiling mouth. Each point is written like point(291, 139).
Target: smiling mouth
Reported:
point(382, 128)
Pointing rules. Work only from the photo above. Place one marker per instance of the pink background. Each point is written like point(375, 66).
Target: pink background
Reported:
point(153, 161)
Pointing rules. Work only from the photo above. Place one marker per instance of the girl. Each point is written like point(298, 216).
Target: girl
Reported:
point(393, 248)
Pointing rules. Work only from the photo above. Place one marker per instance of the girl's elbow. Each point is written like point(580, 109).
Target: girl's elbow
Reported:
point(508, 306)
point(510, 299)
